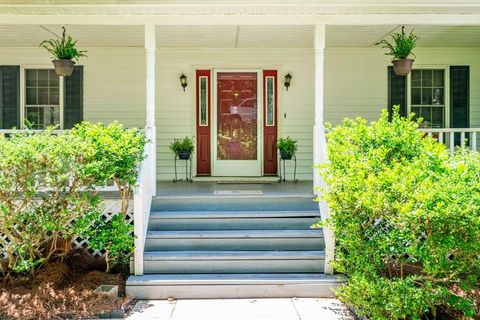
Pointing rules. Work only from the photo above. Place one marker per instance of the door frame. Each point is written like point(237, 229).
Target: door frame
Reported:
point(216, 170)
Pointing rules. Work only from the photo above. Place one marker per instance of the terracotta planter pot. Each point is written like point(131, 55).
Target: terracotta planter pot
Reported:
point(402, 67)
point(63, 68)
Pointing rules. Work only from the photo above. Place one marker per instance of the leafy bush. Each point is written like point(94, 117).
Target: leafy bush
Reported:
point(406, 217)
point(63, 49)
point(401, 46)
point(185, 144)
point(46, 195)
point(287, 146)
point(40, 180)
point(118, 154)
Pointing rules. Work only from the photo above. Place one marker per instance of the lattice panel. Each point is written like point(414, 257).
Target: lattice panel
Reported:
point(111, 208)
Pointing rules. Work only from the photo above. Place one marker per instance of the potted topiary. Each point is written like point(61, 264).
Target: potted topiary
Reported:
point(287, 148)
point(401, 50)
point(64, 51)
point(183, 148)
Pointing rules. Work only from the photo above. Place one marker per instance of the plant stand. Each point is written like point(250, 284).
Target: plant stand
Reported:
point(188, 169)
point(280, 171)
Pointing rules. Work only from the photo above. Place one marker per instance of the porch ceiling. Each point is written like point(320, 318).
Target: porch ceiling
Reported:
point(236, 36)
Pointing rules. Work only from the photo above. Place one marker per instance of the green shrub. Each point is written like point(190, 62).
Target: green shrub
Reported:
point(46, 194)
point(118, 154)
point(406, 217)
point(40, 180)
point(114, 237)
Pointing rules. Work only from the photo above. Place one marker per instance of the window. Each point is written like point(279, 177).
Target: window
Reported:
point(428, 97)
point(42, 97)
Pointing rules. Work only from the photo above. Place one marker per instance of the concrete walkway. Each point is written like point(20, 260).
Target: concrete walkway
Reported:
point(242, 309)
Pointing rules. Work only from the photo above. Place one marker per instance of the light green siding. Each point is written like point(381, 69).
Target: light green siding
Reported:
point(355, 85)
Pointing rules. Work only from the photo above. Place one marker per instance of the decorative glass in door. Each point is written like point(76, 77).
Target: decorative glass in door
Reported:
point(237, 112)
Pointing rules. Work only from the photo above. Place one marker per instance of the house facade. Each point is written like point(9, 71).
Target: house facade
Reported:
point(236, 56)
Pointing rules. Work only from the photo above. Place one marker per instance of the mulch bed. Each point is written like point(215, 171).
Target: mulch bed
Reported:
point(63, 290)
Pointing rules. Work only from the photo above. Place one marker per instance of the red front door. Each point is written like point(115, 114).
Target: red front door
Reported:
point(231, 140)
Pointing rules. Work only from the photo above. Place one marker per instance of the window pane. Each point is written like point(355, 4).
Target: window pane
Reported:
point(51, 116)
point(416, 96)
point(31, 78)
point(416, 111)
point(437, 117)
point(54, 97)
point(437, 96)
point(32, 96)
point(426, 96)
point(416, 78)
point(53, 79)
point(427, 78)
point(438, 76)
point(426, 115)
point(42, 96)
point(43, 78)
point(35, 117)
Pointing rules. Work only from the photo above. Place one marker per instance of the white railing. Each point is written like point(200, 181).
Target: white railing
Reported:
point(142, 199)
point(467, 137)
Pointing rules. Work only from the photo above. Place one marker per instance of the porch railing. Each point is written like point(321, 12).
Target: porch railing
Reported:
point(142, 199)
point(452, 137)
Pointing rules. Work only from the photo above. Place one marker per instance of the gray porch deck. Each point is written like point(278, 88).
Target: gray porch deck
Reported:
point(213, 189)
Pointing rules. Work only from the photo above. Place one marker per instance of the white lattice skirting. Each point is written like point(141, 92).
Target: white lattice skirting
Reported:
point(111, 208)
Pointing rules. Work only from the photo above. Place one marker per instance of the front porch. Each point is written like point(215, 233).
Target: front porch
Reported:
point(132, 75)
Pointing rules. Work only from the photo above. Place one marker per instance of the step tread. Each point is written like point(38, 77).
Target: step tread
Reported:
point(232, 255)
point(232, 214)
point(235, 234)
point(234, 279)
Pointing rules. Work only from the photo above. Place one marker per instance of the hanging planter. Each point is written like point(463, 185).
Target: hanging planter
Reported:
point(401, 49)
point(64, 53)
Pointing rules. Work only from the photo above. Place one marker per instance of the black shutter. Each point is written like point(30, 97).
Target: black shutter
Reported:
point(73, 98)
point(9, 97)
point(397, 92)
point(459, 97)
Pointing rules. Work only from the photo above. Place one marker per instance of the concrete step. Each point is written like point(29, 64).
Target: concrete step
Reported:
point(232, 220)
point(230, 240)
point(225, 286)
point(237, 203)
point(234, 261)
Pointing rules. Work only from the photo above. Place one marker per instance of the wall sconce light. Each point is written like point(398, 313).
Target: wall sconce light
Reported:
point(183, 81)
point(288, 79)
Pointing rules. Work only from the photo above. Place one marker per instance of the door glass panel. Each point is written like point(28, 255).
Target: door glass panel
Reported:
point(237, 116)
point(270, 101)
point(203, 96)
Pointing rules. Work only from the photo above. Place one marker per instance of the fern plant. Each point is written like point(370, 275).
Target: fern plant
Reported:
point(401, 45)
point(64, 48)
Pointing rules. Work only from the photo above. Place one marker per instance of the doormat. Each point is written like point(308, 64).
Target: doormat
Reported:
point(244, 182)
point(236, 192)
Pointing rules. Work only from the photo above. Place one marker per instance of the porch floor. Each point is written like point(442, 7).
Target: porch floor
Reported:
point(215, 189)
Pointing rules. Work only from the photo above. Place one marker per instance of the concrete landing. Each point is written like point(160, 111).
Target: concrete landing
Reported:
point(242, 309)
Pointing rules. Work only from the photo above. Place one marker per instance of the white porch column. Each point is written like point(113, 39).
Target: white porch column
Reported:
point(319, 141)
point(150, 58)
